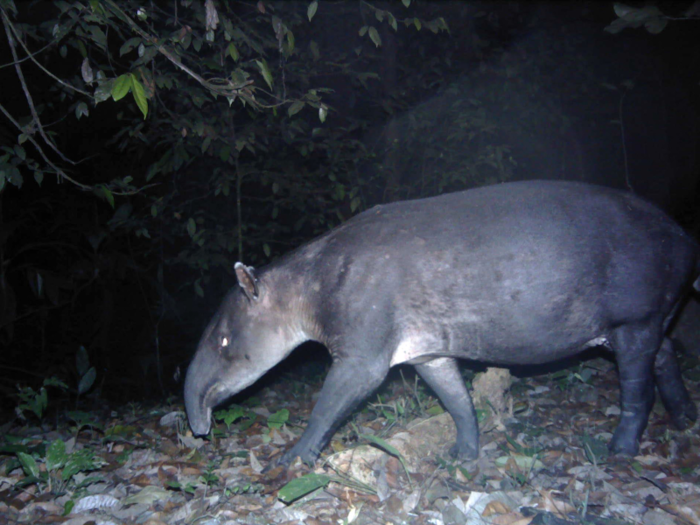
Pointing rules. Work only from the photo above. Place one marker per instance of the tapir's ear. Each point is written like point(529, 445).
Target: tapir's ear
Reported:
point(247, 281)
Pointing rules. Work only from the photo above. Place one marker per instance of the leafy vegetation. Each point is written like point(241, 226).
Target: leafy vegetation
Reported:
point(145, 147)
point(60, 466)
point(164, 142)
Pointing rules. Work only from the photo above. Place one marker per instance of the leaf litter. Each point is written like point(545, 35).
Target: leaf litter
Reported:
point(543, 460)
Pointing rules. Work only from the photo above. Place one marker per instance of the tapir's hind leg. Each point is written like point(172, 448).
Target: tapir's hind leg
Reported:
point(635, 347)
point(442, 375)
point(674, 395)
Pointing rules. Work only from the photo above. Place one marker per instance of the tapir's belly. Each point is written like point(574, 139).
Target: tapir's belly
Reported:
point(524, 321)
point(416, 348)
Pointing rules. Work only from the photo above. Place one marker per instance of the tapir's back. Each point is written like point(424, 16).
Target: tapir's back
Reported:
point(496, 214)
point(511, 261)
point(545, 221)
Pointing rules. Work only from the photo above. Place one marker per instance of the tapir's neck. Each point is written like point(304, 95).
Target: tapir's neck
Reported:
point(292, 306)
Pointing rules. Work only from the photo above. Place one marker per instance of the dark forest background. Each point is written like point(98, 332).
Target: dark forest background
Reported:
point(145, 147)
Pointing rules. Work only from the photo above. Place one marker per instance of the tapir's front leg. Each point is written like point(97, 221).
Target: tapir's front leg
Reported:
point(350, 380)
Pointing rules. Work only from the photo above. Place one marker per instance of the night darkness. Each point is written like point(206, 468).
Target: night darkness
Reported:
point(77, 273)
point(119, 231)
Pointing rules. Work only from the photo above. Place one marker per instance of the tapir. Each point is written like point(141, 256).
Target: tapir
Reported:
point(518, 273)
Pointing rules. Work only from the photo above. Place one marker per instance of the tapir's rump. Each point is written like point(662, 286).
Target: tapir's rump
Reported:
point(517, 273)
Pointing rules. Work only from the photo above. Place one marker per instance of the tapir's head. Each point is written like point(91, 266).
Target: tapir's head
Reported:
point(248, 336)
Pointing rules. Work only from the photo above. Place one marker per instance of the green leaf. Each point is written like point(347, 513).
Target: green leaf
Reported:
point(406, 3)
point(233, 51)
point(302, 486)
point(374, 36)
point(265, 70)
point(295, 108)
point(29, 464)
point(81, 461)
point(390, 449)
point(266, 249)
point(524, 463)
point(656, 25)
point(87, 381)
point(104, 89)
point(278, 419)
point(82, 361)
point(392, 22)
point(225, 152)
point(232, 414)
point(121, 87)
point(289, 47)
point(139, 95)
point(322, 113)
point(130, 44)
point(20, 152)
point(311, 10)
point(10, 6)
point(435, 410)
point(103, 191)
point(191, 227)
point(13, 176)
point(56, 455)
point(99, 36)
point(38, 177)
point(53, 381)
point(417, 23)
point(83, 419)
point(205, 144)
point(81, 110)
point(82, 48)
point(382, 444)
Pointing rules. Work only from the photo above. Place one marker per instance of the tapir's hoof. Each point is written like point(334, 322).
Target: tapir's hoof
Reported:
point(288, 457)
point(463, 451)
point(622, 448)
point(272, 465)
point(686, 417)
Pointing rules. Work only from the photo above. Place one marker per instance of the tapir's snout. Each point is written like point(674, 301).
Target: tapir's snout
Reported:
point(197, 402)
point(200, 421)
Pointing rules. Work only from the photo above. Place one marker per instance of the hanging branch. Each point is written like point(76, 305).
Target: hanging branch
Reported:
point(31, 139)
point(28, 96)
point(222, 87)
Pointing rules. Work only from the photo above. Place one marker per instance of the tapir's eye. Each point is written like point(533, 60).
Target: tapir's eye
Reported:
point(224, 341)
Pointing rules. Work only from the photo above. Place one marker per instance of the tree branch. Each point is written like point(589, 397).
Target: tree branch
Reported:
point(30, 56)
point(223, 87)
point(27, 94)
point(31, 139)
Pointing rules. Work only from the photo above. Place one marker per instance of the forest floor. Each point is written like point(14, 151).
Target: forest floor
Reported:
point(543, 460)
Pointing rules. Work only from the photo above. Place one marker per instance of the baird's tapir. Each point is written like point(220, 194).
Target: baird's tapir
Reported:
point(512, 274)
